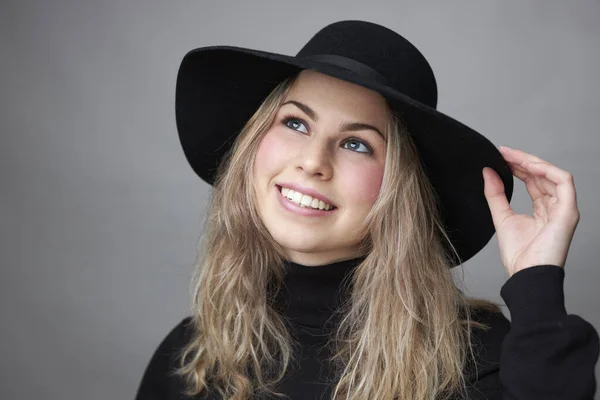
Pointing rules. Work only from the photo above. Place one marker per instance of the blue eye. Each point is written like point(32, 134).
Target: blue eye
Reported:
point(294, 123)
point(294, 120)
point(358, 143)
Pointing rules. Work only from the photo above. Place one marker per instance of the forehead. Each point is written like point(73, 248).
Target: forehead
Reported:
point(326, 94)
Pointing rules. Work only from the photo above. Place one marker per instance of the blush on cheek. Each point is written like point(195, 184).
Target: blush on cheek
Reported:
point(363, 184)
point(271, 154)
point(266, 149)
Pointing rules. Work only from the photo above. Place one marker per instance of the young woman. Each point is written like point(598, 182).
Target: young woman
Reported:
point(342, 199)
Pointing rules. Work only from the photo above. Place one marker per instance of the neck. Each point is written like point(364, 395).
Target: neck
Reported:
point(311, 294)
point(322, 259)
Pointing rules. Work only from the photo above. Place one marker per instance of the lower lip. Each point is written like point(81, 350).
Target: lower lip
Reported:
point(305, 211)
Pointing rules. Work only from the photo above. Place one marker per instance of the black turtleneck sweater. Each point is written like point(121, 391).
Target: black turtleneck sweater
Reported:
point(542, 353)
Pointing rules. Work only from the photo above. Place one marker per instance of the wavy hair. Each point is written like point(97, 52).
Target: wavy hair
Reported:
point(241, 346)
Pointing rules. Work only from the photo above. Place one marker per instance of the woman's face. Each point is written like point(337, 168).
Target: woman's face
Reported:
point(320, 146)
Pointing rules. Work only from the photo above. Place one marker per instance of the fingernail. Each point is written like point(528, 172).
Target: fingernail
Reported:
point(505, 147)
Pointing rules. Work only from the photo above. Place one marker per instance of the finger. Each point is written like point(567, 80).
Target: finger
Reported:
point(537, 185)
point(564, 181)
point(518, 156)
point(548, 178)
point(496, 197)
point(532, 185)
point(518, 160)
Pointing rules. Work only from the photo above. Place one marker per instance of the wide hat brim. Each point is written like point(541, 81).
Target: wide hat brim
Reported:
point(219, 88)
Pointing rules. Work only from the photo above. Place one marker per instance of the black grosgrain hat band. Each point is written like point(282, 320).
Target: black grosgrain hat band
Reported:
point(350, 65)
point(219, 88)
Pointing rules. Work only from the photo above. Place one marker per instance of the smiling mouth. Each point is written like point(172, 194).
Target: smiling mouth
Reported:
point(305, 201)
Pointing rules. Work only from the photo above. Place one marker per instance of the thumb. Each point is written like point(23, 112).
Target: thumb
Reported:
point(495, 196)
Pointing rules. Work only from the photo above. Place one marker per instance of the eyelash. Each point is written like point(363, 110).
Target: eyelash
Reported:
point(290, 117)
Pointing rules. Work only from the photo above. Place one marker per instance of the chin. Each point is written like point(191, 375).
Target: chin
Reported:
point(309, 245)
point(298, 239)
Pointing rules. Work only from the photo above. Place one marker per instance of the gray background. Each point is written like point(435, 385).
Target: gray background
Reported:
point(100, 213)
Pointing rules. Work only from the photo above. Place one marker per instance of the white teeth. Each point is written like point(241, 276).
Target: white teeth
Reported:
point(322, 205)
point(297, 197)
point(305, 200)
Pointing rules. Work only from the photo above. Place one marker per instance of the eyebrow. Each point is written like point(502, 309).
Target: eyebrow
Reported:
point(348, 126)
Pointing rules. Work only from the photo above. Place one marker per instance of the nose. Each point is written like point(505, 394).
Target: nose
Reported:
point(315, 160)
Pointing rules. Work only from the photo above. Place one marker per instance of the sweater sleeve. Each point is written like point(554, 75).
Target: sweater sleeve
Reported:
point(547, 353)
point(158, 382)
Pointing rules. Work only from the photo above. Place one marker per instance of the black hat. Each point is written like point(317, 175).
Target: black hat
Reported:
point(220, 87)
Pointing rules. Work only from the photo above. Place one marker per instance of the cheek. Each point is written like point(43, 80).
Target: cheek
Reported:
point(362, 184)
point(269, 155)
point(272, 156)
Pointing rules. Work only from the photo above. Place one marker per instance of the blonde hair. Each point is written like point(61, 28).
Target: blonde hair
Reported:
point(241, 346)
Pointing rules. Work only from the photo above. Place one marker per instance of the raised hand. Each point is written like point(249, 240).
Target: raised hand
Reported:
point(544, 237)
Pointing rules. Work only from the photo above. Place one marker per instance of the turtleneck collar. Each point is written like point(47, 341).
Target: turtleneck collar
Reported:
point(311, 294)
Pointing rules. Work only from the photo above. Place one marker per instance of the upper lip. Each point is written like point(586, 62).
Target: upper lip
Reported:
point(306, 190)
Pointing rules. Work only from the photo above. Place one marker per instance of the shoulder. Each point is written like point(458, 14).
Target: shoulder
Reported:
point(183, 330)
point(177, 337)
point(487, 342)
point(158, 381)
point(490, 338)
point(166, 356)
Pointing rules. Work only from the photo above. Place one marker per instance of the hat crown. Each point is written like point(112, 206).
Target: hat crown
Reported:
point(380, 50)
